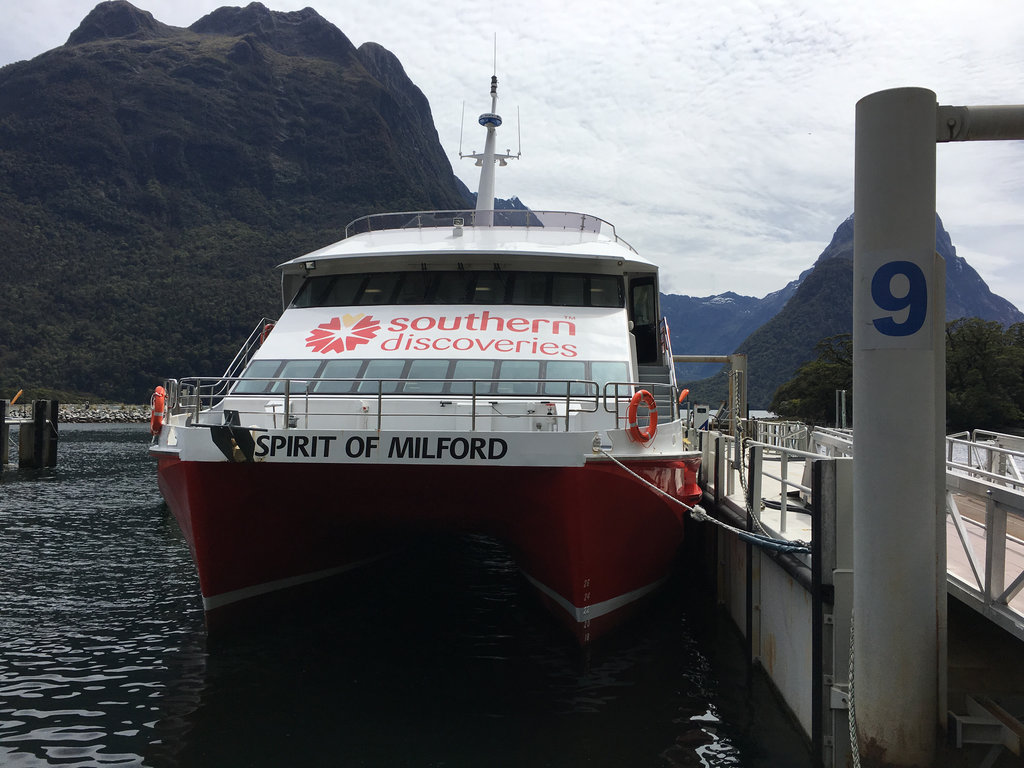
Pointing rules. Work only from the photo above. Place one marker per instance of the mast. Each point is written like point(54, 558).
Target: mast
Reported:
point(486, 160)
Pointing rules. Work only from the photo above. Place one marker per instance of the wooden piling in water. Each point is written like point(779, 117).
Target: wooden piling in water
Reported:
point(4, 435)
point(38, 437)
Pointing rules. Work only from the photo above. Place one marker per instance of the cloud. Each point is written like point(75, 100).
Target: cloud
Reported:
point(718, 137)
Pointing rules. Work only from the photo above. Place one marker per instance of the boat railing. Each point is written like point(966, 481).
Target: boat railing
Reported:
point(565, 221)
point(665, 338)
point(301, 398)
point(248, 349)
point(617, 395)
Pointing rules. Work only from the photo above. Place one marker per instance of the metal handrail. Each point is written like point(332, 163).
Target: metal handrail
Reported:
point(194, 395)
point(549, 220)
point(665, 336)
point(990, 581)
point(631, 387)
point(779, 434)
point(249, 348)
point(986, 458)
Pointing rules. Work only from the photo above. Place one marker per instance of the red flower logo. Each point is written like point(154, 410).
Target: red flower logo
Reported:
point(343, 333)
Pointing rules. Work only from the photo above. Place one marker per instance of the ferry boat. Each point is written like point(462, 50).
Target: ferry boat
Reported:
point(491, 371)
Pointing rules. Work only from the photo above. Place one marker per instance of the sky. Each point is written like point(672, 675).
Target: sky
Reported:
point(716, 135)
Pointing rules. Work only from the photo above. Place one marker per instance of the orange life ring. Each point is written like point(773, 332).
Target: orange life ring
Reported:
point(636, 432)
point(266, 332)
point(156, 419)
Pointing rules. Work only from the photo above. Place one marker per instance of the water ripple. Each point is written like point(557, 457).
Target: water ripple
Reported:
point(104, 657)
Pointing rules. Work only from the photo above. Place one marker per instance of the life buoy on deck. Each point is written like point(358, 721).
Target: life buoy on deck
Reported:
point(635, 431)
point(266, 332)
point(156, 419)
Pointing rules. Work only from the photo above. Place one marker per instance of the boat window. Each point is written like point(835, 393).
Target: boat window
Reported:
point(329, 291)
point(566, 369)
point(518, 369)
point(602, 373)
point(569, 290)
point(379, 289)
point(605, 291)
point(344, 290)
point(338, 369)
point(451, 288)
point(530, 288)
point(381, 369)
point(480, 287)
point(413, 289)
point(296, 369)
point(437, 370)
point(258, 369)
point(489, 288)
point(429, 376)
point(471, 369)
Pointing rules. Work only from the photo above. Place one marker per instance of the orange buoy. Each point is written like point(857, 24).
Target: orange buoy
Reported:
point(635, 431)
point(156, 419)
point(683, 395)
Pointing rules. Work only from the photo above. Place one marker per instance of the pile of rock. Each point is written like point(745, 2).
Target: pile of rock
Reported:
point(103, 413)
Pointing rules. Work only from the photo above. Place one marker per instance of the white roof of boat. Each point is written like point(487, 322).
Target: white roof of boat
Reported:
point(518, 232)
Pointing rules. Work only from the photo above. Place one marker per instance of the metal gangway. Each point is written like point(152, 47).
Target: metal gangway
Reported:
point(779, 483)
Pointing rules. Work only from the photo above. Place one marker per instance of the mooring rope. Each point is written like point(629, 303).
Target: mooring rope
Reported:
point(746, 493)
point(854, 743)
point(698, 513)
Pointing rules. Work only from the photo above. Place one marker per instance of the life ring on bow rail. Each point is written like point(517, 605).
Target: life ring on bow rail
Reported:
point(156, 419)
point(635, 431)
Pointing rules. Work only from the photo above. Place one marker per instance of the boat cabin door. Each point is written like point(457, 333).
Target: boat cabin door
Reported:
point(643, 311)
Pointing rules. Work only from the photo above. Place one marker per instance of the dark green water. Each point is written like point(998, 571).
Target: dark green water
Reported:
point(442, 659)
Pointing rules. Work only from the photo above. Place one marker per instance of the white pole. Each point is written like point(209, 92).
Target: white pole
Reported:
point(898, 350)
point(485, 194)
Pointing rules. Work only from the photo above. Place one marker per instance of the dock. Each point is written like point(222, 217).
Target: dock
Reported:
point(778, 549)
point(38, 434)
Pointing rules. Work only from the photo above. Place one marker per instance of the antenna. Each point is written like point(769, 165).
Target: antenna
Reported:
point(462, 128)
point(519, 133)
point(487, 159)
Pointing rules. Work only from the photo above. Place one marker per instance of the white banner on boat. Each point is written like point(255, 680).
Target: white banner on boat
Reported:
point(302, 446)
point(446, 331)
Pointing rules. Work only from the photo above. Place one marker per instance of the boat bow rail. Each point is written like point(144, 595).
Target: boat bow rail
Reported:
point(374, 404)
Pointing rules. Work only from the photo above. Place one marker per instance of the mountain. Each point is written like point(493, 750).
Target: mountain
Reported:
point(716, 325)
point(152, 176)
point(821, 305)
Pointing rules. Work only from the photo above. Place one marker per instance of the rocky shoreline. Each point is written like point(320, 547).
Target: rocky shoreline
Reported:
point(90, 413)
point(103, 413)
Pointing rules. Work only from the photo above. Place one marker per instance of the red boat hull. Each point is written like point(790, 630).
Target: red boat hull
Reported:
point(592, 539)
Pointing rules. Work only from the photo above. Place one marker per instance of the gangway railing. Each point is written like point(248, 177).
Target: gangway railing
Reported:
point(791, 598)
point(996, 575)
point(984, 502)
point(996, 457)
point(782, 434)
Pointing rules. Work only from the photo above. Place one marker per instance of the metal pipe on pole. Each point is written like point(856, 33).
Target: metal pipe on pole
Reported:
point(898, 314)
